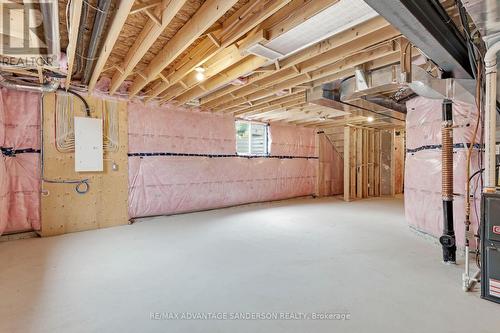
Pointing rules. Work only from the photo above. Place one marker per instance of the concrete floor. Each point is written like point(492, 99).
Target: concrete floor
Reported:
point(302, 256)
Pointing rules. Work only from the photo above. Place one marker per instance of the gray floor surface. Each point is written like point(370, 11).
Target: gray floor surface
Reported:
point(241, 268)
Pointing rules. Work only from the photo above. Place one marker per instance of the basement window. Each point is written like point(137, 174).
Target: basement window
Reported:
point(251, 138)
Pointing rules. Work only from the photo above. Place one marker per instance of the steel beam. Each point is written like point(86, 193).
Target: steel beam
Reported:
point(427, 25)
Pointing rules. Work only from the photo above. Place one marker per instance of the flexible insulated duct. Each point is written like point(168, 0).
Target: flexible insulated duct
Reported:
point(50, 86)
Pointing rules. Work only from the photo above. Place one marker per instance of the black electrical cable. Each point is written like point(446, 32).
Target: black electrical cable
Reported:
point(481, 170)
point(87, 108)
point(54, 74)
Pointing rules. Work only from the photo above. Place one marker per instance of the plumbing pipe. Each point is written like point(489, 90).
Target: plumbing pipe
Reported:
point(447, 240)
point(490, 60)
point(50, 17)
point(95, 39)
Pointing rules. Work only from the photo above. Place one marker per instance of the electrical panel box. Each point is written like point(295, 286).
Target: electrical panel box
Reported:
point(88, 144)
point(490, 247)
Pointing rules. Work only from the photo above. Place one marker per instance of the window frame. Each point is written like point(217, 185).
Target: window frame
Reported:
point(266, 138)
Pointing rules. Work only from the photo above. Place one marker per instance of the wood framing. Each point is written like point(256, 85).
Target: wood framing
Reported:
point(216, 56)
point(74, 24)
point(296, 12)
point(241, 22)
point(207, 15)
point(347, 163)
point(145, 40)
point(119, 20)
point(362, 158)
point(283, 80)
point(315, 64)
point(144, 6)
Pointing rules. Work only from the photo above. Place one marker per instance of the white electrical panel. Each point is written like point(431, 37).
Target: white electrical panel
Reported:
point(88, 144)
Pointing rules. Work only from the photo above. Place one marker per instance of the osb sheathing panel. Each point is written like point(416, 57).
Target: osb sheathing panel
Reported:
point(106, 202)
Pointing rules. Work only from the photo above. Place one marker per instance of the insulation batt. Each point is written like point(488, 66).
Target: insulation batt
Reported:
point(161, 185)
point(331, 168)
point(423, 203)
point(19, 175)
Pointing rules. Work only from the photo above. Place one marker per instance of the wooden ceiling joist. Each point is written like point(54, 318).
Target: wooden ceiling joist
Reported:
point(203, 19)
point(74, 24)
point(296, 12)
point(279, 108)
point(241, 22)
point(144, 6)
point(146, 38)
point(263, 107)
point(245, 66)
point(284, 80)
point(315, 56)
point(379, 59)
point(177, 40)
point(213, 66)
point(119, 20)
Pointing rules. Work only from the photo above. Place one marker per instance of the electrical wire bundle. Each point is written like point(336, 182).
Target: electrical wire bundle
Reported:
point(110, 126)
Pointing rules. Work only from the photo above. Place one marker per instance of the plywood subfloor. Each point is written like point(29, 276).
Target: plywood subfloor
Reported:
point(304, 255)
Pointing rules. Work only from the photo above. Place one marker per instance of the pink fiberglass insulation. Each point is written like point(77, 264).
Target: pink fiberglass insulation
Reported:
point(19, 174)
point(423, 203)
point(174, 130)
point(161, 185)
point(291, 140)
point(166, 185)
point(332, 168)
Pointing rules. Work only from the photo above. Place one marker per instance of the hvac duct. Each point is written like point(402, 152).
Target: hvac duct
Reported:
point(365, 94)
point(426, 85)
point(490, 60)
point(95, 39)
point(50, 86)
point(50, 17)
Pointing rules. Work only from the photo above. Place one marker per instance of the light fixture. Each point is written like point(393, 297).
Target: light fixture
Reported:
point(200, 76)
point(370, 119)
point(200, 73)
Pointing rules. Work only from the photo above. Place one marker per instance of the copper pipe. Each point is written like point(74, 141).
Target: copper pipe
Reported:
point(447, 161)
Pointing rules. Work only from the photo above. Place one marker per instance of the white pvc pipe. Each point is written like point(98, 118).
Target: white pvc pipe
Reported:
point(490, 125)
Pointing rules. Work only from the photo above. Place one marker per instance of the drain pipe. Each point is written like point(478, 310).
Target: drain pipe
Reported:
point(490, 122)
point(490, 60)
point(447, 240)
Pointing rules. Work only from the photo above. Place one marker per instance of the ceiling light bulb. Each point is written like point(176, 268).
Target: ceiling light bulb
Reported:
point(200, 76)
point(370, 119)
point(200, 69)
